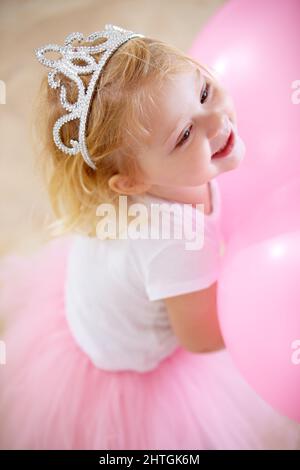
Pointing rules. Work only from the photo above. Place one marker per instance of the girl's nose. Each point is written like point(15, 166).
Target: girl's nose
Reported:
point(215, 123)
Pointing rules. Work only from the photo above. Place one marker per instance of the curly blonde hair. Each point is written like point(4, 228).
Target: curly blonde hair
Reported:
point(116, 131)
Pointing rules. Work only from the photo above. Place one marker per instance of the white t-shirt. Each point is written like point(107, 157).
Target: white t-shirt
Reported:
point(114, 290)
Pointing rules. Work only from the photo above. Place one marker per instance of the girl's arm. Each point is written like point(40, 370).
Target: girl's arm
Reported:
point(194, 319)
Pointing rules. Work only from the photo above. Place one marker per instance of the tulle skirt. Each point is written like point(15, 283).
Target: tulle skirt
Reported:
point(53, 397)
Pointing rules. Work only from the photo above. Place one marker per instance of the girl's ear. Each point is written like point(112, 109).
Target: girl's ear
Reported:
point(125, 185)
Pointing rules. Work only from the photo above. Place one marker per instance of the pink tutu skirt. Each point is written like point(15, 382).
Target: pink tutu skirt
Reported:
point(53, 397)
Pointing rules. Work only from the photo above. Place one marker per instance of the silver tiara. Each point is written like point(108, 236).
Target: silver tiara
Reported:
point(115, 36)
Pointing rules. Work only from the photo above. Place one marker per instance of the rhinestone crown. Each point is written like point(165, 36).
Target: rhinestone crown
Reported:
point(115, 37)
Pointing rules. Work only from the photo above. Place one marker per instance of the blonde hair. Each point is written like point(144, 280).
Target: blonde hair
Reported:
point(116, 129)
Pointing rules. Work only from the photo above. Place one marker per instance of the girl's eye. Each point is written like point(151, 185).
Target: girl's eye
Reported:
point(186, 132)
point(205, 93)
point(204, 96)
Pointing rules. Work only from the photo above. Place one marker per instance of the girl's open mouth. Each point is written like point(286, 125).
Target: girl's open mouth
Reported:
point(223, 152)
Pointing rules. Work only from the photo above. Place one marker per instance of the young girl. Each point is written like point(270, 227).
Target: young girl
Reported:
point(113, 342)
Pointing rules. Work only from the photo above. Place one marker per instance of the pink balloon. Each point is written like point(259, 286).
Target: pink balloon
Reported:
point(253, 46)
point(278, 213)
point(259, 310)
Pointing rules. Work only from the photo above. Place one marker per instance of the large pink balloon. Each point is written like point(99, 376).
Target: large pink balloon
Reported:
point(254, 46)
point(259, 310)
point(278, 213)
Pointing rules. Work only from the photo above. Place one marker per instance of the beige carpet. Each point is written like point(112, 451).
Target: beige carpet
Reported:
point(26, 24)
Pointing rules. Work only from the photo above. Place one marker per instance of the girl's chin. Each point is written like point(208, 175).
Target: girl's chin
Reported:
point(240, 148)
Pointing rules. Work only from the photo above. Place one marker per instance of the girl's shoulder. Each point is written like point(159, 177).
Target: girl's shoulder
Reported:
point(178, 232)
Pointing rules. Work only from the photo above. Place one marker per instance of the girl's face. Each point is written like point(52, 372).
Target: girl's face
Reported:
point(192, 120)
